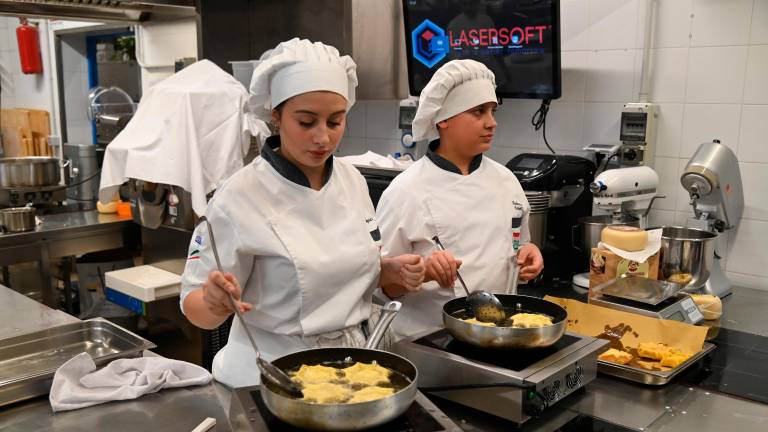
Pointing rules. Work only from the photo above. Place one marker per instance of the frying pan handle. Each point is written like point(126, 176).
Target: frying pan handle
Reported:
point(388, 313)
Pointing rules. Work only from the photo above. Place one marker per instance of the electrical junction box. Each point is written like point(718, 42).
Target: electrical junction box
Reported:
point(638, 134)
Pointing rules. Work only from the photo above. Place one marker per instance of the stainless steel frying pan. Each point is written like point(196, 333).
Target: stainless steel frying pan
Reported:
point(344, 417)
point(506, 337)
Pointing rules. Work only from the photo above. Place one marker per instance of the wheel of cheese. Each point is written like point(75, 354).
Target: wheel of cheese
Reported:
point(627, 238)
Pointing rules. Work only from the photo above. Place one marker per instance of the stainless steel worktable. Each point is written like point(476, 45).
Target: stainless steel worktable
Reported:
point(21, 315)
point(169, 410)
point(62, 235)
point(678, 407)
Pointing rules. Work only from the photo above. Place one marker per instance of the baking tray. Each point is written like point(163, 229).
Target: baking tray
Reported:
point(28, 362)
point(639, 289)
point(644, 376)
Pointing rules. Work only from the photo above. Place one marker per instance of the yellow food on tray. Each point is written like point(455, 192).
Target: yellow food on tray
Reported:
point(652, 350)
point(367, 374)
point(315, 374)
point(616, 356)
point(651, 365)
point(667, 357)
point(674, 359)
point(326, 393)
point(482, 323)
point(528, 320)
point(371, 393)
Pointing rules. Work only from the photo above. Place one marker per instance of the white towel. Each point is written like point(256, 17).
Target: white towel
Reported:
point(77, 384)
point(375, 160)
point(191, 130)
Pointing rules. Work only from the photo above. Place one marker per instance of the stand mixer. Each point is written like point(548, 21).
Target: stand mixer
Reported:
point(626, 191)
point(713, 181)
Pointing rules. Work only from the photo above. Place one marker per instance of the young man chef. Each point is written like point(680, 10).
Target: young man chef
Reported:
point(295, 228)
point(474, 205)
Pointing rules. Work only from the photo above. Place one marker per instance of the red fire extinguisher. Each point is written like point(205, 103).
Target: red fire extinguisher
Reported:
point(29, 48)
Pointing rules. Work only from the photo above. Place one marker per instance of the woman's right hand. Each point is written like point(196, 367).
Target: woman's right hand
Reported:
point(217, 288)
point(442, 267)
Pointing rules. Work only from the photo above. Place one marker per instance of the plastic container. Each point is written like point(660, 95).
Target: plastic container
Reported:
point(124, 209)
point(243, 70)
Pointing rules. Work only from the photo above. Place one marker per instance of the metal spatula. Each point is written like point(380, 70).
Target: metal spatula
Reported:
point(271, 372)
point(485, 306)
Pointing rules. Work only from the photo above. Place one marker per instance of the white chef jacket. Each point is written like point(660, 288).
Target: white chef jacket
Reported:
point(307, 260)
point(473, 217)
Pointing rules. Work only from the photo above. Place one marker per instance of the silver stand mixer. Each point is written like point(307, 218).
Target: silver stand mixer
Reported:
point(713, 181)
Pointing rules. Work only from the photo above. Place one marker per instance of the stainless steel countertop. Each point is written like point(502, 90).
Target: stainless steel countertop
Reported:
point(64, 225)
point(676, 407)
point(20, 315)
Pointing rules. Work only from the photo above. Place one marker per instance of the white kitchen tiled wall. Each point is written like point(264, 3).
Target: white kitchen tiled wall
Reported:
point(710, 77)
point(753, 134)
point(20, 90)
point(716, 74)
point(732, 19)
point(758, 29)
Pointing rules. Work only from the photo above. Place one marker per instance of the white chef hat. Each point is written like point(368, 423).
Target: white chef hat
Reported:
point(454, 88)
point(299, 66)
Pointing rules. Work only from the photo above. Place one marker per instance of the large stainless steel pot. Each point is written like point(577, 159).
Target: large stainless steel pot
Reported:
point(344, 417)
point(686, 251)
point(32, 171)
point(454, 311)
point(17, 219)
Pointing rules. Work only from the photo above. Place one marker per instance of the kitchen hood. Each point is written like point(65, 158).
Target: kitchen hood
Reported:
point(101, 10)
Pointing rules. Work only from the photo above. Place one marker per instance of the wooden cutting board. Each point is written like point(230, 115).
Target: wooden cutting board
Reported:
point(25, 132)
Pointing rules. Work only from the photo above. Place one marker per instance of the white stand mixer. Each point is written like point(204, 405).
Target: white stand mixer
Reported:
point(625, 192)
point(713, 181)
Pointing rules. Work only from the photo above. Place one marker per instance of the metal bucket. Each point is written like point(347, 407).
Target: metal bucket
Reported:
point(686, 252)
point(32, 171)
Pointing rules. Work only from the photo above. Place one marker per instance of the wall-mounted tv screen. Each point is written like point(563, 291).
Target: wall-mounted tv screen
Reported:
point(519, 40)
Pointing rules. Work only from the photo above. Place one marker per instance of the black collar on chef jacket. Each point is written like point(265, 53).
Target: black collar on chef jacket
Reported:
point(285, 167)
point(447, 165)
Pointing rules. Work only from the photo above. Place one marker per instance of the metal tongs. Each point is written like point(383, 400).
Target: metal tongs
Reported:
point(271, 372)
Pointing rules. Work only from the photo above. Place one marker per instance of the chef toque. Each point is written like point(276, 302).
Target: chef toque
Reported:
point(299, 66)
point(456, 87)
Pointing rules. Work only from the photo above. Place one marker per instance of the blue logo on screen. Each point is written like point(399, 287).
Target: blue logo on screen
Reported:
point(429, 43)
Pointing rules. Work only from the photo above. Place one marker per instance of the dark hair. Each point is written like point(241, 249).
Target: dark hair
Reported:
point(273, 129)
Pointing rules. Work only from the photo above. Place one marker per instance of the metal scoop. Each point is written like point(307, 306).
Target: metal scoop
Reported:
point(271, 372)
point(485, 306)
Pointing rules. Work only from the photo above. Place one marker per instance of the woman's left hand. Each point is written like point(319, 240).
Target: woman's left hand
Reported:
point(406, 271)
point(530, 261)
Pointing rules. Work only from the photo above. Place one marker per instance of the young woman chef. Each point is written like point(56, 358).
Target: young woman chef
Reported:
point(296, 228)
point(474, 205)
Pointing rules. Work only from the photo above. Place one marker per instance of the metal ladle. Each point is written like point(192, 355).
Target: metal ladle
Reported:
point(485, 306)
point(271, 372)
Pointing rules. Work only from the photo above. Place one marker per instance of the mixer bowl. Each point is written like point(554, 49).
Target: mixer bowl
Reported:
point(686, 253)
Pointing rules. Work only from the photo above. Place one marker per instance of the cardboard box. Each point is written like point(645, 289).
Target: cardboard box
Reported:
point(605, 265)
